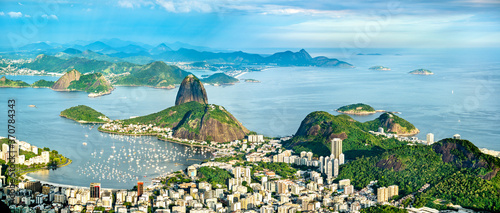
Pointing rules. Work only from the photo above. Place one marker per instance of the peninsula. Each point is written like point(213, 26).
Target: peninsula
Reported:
point(84, 114)
point(192, 118)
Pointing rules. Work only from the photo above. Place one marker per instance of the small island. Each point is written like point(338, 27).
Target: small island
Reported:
point(381, 68)
point(357, 109)
point(220, 79)
point(252, 81)
point(84, 114)
point(421, 72)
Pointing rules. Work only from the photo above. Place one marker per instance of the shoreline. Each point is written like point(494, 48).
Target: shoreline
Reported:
point(159, 138)
point(83, 122)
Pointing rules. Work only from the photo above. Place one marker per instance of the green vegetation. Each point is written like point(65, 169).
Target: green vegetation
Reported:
point(421, 72)
point(468, 190)
point(55, 159)
point(282, 169)
point(356, 108)
point(214, 175)
point(379, 68)
point(387, 120)
point(318, 128)
point(156, 74)
point(383, 209)
point(220, 78)
point(60, 65)
point(4, 82)
point(191, 120)
point(43, 83)
point(82, 113)
point(411, 167)
point(91, 83)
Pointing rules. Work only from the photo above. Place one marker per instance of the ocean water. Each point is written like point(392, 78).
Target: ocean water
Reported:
point(461, 98)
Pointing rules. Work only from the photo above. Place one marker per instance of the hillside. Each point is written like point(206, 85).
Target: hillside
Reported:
point(357, 109)
point(75, 81)
point(84, 114)
point(156, 74)
point(444, 166)
point(220, 78)
point(319, 128)
point(4, 82)
point(196, 121)
point(394, 124)
point(43, 84)
point(84, 65)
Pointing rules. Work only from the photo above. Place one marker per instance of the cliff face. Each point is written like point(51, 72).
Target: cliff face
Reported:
point(196, 121)
point(64, 82)
point(191, 89)
point(211, 127)
point(464, 154)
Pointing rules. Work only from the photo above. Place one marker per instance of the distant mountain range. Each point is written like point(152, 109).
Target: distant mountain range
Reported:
point(115, 50)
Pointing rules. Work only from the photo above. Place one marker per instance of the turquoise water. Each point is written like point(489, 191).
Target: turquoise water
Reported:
point(462, 97)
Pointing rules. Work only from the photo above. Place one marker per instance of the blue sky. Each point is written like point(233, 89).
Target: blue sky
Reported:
point(240, 24)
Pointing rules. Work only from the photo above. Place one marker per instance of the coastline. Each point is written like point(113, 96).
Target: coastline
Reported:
point(82, 122)
point(351, 112)
point(158, 137)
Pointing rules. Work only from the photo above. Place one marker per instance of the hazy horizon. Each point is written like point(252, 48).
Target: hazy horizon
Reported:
point(245, 24)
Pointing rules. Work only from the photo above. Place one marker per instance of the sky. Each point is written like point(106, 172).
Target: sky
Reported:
point(241, 24)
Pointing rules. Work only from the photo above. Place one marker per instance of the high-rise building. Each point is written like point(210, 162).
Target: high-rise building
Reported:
point(393, 191)
point(430, 139)
point(382, 194)
point(95, 190)
point(140, 188)
point(34, 186)
point(336, 147)
point(321, 164)
point(327, 159)
point(341, 159)
point(335, 167)
point(348, 189)
point(329, 170)
point(309, 156)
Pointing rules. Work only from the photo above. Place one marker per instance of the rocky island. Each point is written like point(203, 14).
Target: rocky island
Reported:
point(192, 118)
point(251, 81)
point(421, 72)
point(84, 114)
point(93, 83)
point(381, 68)
point(357, 109)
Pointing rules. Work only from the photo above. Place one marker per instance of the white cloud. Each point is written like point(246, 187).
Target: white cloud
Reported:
point(186, 6)
point(134, 3)
point(50, 17)
point(27, 16)
point(2, 13)
point(15, 14)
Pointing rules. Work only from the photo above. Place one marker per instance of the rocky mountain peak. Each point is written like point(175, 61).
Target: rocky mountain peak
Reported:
point(191, 89)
